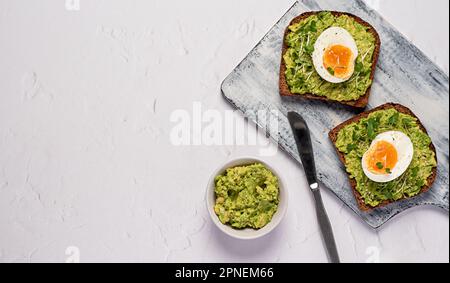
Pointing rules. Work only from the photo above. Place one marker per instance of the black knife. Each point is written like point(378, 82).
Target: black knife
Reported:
point(304, 145)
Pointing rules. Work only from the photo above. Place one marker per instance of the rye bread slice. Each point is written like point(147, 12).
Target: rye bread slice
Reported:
point(359, 103)
point(400, 108)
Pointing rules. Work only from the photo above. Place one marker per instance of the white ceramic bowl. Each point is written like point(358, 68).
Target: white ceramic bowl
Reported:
point(246, 234)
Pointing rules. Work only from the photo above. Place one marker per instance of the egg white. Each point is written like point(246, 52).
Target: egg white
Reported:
point(405, 152)
point(329, 37)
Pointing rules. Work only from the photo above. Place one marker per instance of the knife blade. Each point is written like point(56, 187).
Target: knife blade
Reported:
point(302, 138)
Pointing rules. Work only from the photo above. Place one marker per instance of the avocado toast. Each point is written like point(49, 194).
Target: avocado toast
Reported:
point(298, 75)
point(417, 179)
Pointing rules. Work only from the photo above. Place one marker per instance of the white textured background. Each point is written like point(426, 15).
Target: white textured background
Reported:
point(85, 155)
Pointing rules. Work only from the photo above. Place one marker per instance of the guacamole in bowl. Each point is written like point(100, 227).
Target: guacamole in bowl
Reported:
point(246, 198)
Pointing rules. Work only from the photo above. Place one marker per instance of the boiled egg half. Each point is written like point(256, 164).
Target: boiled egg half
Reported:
point(388, 157)
point(334, 56)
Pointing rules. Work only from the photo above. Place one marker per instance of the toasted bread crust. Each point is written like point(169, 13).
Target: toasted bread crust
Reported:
point(363, 100)
point(333, 134)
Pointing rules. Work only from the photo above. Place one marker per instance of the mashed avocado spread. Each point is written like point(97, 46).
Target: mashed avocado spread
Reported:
point(301, 76)
point(355, 139)
point(246, 196)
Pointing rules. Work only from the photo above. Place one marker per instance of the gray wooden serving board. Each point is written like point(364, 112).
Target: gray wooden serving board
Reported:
point(404, 75)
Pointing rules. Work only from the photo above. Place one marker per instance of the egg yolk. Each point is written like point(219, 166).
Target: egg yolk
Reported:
point(337, 59)
point(382, 158)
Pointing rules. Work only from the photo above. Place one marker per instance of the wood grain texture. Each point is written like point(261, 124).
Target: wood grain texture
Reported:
point(404, 75)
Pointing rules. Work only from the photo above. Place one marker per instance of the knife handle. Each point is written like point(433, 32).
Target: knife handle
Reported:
point(325, 227)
